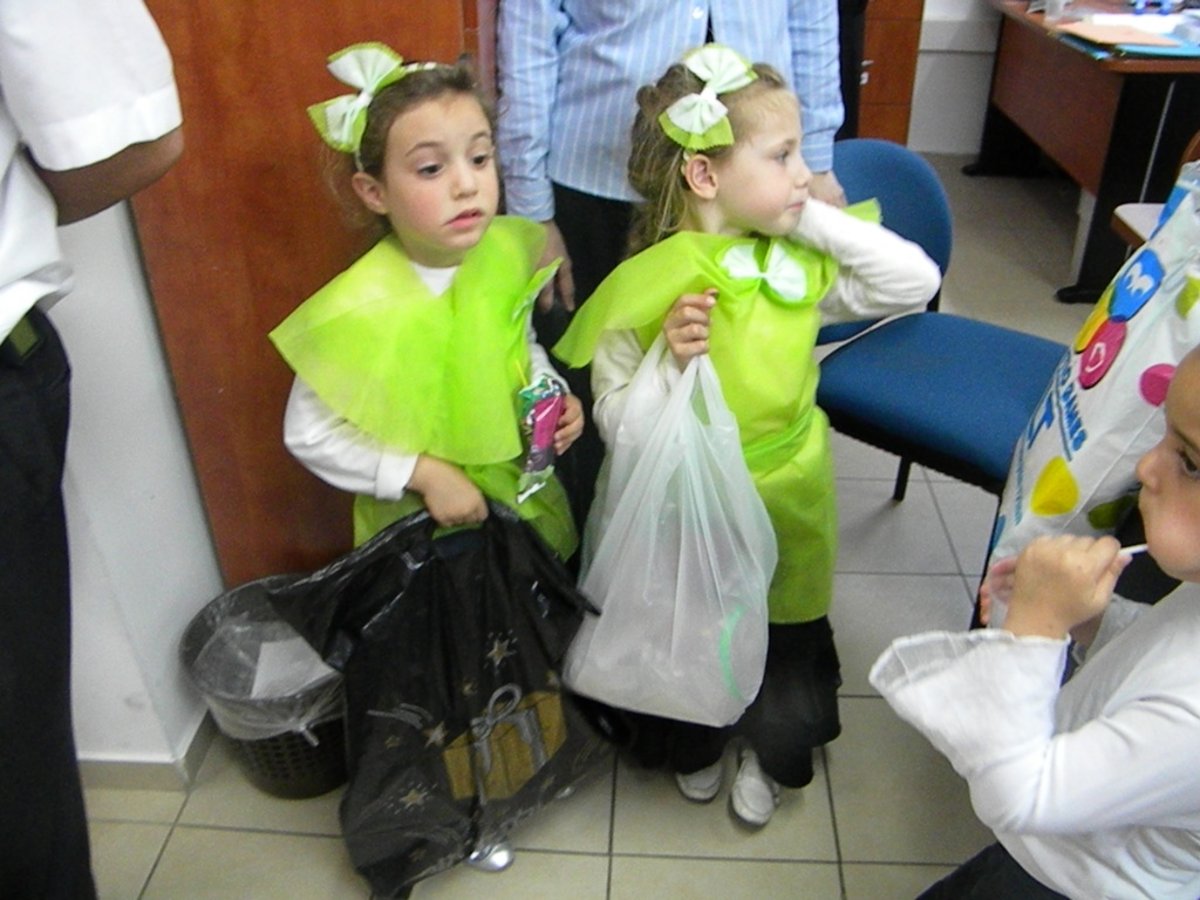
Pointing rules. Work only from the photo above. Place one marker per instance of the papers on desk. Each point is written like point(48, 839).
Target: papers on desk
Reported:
point(1145, 35)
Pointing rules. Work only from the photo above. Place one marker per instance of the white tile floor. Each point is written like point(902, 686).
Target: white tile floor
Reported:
point(885, 815)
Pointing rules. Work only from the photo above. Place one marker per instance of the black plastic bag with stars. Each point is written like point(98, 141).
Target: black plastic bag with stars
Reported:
point(457, 727)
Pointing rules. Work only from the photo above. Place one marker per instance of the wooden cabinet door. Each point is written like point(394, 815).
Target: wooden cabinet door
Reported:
point(244, 228)
point(890, 46)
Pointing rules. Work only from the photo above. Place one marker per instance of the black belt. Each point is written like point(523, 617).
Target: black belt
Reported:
point(21, 342)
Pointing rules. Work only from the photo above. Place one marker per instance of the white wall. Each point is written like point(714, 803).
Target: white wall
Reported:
point(142, 558)
point(954, 70)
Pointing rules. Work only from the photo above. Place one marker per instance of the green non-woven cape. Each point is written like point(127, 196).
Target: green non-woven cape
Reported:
point(433, 375)
point(763, 331)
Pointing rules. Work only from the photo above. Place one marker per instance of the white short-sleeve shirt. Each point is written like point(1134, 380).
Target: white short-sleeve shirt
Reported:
point(80, 80)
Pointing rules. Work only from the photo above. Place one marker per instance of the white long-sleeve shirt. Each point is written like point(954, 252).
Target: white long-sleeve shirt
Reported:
point(339, 453)
point(879, 274)
point(1093, 788)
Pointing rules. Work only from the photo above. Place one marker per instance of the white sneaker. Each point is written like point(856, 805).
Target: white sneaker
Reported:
point(702, 786)
point(493, 857)
point(755, 794)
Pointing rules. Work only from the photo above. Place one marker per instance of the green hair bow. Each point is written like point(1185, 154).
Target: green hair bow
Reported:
point(700, 121)
point(370, 67)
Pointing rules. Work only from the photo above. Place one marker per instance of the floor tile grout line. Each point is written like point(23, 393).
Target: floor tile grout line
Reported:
point(158, 857)
point(837, 842)
point(612, 825)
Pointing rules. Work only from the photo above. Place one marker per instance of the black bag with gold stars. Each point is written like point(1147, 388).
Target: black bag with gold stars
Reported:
point(457, 727)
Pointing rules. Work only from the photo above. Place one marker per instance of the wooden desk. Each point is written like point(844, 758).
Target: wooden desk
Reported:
point(1116, 125)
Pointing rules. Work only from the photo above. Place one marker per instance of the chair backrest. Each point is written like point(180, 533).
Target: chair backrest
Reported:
point(909, 192)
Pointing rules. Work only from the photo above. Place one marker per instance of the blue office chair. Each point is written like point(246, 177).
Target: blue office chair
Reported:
point(947, 392)
point(911, 196)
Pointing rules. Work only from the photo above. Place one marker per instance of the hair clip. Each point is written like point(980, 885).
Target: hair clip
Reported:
point(700, 121)
point(370, 67)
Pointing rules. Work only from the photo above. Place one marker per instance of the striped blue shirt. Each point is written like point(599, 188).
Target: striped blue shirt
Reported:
point(570, 69)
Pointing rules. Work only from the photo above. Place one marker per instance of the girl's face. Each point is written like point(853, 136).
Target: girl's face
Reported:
point(763, 181)
point(438, 187)
point(1170, 476)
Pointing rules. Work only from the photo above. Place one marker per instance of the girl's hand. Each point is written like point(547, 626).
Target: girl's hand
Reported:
point(570, 424)
point(450, 496)
point(686, 326)
point(1062, 582)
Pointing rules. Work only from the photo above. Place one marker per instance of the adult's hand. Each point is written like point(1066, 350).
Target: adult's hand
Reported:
point(825, 186)
point(563, 282)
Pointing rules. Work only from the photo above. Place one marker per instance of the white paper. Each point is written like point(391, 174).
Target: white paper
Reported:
point(286, 668)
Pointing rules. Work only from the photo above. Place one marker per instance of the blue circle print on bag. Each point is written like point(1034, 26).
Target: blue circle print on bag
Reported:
point(1136, 285)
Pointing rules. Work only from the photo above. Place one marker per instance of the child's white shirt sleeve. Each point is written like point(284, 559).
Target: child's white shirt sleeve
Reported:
point(879, 272)
point(340, 454)
point(1112, 749)
point(617, 357)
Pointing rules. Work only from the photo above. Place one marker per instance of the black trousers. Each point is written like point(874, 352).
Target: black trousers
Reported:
point(795, 711)
point(43, 829)
point(992, 874)
point(595, 231)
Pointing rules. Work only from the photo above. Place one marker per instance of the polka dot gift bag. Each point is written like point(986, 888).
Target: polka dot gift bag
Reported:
point(1073, 472)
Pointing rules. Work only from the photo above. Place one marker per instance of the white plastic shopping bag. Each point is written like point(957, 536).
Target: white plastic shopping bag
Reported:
point(679, 553)
point(1074, 470)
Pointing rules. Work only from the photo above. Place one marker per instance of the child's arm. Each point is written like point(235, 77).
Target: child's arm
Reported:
point(341, 455)
point(880, 273)
point(1039, 761)
point(338, 453)
point(618, 355)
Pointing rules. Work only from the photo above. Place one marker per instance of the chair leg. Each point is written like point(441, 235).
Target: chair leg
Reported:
point(901, 486)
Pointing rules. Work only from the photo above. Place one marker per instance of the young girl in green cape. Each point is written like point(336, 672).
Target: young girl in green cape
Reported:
point(737, 261)
point(409, 363)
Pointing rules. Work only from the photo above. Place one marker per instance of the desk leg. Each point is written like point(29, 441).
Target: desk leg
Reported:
point(1004, 149)
point(1135, 170)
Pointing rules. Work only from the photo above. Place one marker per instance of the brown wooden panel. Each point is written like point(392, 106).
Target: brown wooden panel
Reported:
point(891, 46)
point(1059, 97)
point(241, 231)
point(896, 9)
point(884, 120)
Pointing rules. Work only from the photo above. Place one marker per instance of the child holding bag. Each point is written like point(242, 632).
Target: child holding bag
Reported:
point(412, 364)
point(1091, 787)
point(409, 363)
point(738, 262)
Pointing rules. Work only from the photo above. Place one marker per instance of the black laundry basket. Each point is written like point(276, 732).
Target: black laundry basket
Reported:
point(289, 744)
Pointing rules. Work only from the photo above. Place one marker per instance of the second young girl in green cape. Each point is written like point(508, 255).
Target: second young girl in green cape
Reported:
point(737, 261)
point(409, 363)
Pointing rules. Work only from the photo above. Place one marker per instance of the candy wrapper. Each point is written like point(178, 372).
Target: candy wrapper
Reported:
point(541, 405)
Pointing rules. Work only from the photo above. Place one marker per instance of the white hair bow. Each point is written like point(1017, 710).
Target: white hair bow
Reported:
point(699, 121)
point(370, 67)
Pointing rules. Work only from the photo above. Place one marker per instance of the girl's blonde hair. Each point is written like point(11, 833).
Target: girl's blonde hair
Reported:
point(656, 161)
point(419, 86)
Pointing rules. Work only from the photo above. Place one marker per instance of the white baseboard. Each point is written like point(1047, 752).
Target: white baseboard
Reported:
point(151, 776)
